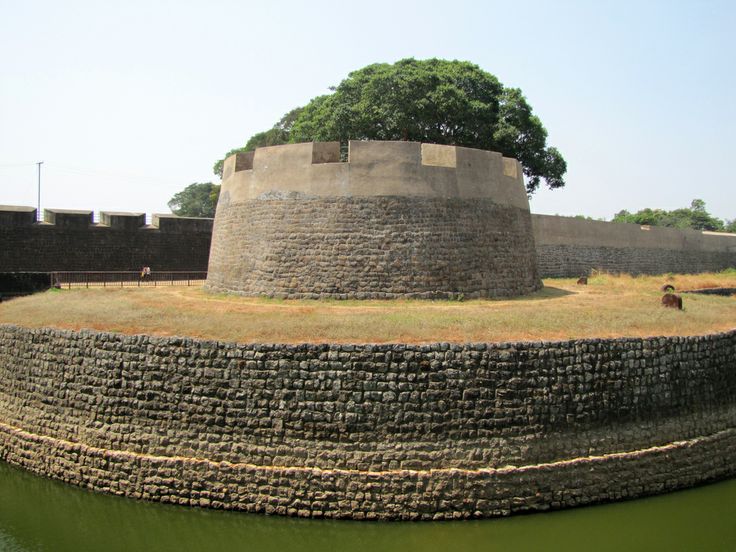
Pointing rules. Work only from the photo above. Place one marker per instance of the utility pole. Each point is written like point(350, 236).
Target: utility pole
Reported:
point(38, 212)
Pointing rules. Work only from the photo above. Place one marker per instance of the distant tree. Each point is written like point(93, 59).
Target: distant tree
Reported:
point(196, 200)
point(730, 226)
point(435, 101)
point(695, 217)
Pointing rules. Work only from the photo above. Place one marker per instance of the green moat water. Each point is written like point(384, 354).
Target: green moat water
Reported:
point(38, 514)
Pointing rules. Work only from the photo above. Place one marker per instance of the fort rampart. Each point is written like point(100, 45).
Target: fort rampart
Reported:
point(398, 219)
point(434, 431)
point(70, 240)
point(572, 247)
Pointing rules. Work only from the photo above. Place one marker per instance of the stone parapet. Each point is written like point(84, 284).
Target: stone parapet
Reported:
point(69, 240)
point(572, 247)
point(405, 169)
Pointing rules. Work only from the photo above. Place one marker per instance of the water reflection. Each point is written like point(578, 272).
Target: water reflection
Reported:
point(38, 514)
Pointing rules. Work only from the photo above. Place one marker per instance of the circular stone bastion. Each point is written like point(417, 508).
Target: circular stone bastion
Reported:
point(396, 431)
point(396, 220)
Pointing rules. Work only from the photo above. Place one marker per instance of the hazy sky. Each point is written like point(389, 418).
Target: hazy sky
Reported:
point(129, 102)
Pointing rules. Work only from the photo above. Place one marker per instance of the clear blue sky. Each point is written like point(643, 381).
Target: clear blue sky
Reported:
point(128, 102)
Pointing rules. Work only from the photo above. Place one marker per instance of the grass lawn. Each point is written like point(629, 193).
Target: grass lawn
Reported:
point(609, 306)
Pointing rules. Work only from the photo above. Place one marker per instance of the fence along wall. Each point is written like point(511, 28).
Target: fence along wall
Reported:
point(70, 240)
point(399, 219)
point(434, 431)
point(571, 247)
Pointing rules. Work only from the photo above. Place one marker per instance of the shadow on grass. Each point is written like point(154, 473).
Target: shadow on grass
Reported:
point(547, 292)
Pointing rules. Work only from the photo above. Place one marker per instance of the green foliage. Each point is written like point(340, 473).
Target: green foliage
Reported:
point(275, 136)
point(217, 167)
point(196, 200)
point(695, 217)
point(435, 101)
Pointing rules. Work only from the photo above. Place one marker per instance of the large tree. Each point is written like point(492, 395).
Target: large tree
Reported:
point(196, 200)
point(436, 101)
point(695, 217)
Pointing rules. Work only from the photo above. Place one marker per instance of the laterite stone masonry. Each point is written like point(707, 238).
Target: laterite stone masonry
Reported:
point(436, 431)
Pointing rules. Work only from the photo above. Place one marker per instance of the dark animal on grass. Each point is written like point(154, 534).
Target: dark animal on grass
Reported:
point(672, 301)
point(583, 281)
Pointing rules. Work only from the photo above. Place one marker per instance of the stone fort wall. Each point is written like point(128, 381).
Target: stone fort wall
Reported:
point(70, 240)
point(572, 247)
point(398, 219)
point(359, 234)
point(434, 431)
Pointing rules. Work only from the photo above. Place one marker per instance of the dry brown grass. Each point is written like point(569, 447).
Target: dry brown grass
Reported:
point(609, 306)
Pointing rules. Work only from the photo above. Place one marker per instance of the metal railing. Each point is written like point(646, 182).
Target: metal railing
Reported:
point(126, 278)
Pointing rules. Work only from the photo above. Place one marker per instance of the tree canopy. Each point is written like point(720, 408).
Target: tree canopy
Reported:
point(695, 217)
point(435, 101)
point(196, 200)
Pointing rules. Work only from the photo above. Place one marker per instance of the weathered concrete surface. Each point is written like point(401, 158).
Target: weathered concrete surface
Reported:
point(399, 219)
point(434, 431)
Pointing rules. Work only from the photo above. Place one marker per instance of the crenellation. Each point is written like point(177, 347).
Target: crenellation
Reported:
point(17, 215)
point(437, 155)
point(68, 218)
point(177, 224)
point(376, 169)
point(122, 221)
point(69, 240)
point(325, 152)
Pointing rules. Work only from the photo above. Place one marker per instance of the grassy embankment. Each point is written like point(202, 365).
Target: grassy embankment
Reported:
point(609, 306)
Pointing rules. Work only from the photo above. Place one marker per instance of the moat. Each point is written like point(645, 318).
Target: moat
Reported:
point(41, 514)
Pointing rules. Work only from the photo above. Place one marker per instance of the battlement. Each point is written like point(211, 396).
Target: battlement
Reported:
point(15, 216)
point(407, 169)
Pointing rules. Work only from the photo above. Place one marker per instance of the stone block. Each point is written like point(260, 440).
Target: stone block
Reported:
point(65, 218)
point(123, 221)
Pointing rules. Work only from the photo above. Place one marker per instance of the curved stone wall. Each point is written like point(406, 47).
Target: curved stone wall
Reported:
point(399, 219)
point(435, 431)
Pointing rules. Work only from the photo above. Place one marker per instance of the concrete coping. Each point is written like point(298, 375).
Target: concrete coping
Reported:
point(68, 217)
point(20, 215)
point(17, 215)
